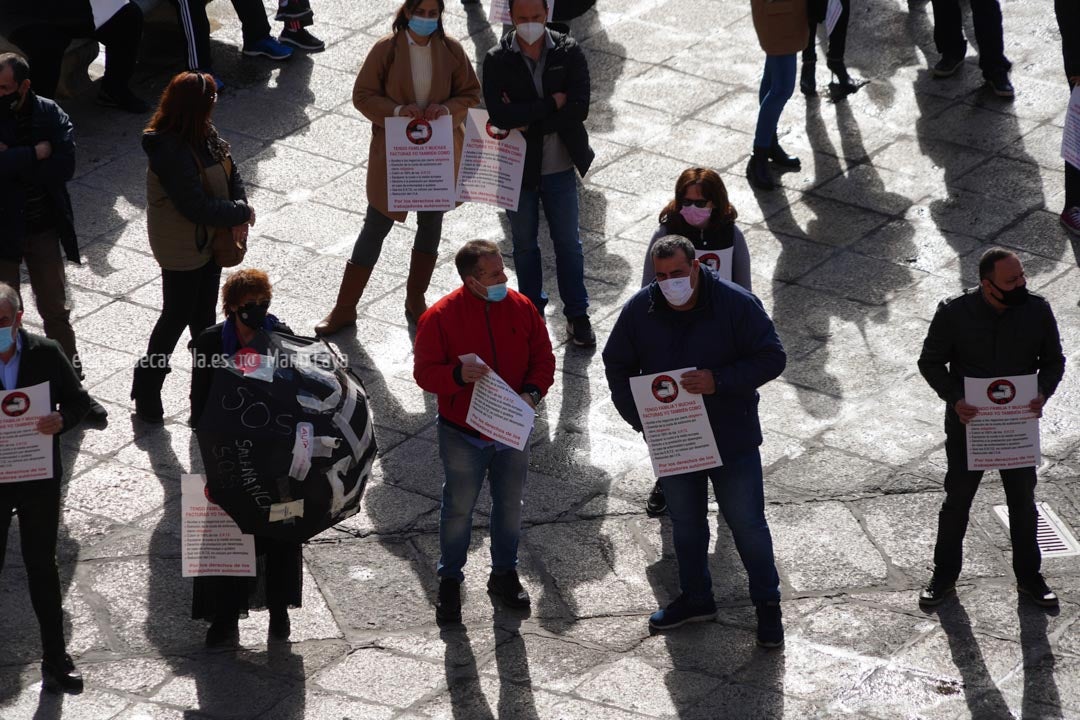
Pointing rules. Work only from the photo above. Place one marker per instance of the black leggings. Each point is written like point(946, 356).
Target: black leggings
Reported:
point(188, 300)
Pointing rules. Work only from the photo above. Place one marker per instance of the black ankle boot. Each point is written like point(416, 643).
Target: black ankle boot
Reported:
point(224, 631)
point(757, 170)
point(844, 85)
point(146, 392)
point(780, 158)
point(807, 83)
point(280, 625)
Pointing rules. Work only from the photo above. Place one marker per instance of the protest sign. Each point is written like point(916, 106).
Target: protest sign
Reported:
point(211, 542)
point(1070, 139)
point(419, 164)
point(492, 163)
point(832, 15)
point(1005, 433)
point(675, 424)
point(499, 12)
point(497, 410)
point(103, 10)
point(718, 260)
point(25, 453)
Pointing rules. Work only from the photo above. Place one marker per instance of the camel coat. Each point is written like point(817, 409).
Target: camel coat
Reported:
point(385, 81)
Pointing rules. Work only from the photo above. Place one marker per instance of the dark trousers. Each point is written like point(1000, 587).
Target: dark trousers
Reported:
point(45, 46)
point(960, 487)
point(37, 504)
point(196, 26)
point(986, 16)
point(837, 40)
point(188, 300)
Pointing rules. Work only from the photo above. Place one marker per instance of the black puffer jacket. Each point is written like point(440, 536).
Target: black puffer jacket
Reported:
point(511, 99)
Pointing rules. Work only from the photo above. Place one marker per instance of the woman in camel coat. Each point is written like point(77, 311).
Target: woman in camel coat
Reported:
point(416, 71)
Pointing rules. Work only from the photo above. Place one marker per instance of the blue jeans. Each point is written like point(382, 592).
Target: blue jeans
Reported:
point(777, 84)
point(465, 462)
point(741, 497)
point(559, 194)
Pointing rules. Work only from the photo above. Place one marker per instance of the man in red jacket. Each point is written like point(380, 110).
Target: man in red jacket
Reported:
point(504, 330)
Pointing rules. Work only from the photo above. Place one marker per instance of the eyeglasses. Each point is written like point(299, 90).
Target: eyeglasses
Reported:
point(686, 202)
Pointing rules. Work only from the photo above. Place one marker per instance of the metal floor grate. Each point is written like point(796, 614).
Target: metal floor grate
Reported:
point(1055, 539)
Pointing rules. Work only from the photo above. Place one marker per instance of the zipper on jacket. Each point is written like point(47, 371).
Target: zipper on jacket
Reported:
point(491, 336)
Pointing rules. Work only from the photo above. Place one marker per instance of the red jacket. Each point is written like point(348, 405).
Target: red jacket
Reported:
point(509, 335)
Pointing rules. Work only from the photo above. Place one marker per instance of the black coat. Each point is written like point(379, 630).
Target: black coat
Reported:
point(43, 360)
point(19, 167)
point(1068, 17)
point(511, 99)
point(969, 338)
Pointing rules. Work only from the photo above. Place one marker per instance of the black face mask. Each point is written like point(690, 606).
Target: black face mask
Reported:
point(253, 314)
point(1012, 298)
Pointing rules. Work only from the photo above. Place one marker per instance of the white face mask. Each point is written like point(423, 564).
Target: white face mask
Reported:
point(530, 32)
point(677, 291)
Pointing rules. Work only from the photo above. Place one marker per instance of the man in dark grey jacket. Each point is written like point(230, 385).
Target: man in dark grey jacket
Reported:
point(537, 80)
point(996, 329)
point(690, 317)
point(37, 158)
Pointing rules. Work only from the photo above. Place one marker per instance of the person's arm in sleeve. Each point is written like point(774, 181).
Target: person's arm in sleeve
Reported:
point(761, 355)
point(73, 400)
point(202, 373)
point(503, 112)
point(433, 369)
point(620, 364)
point(937, 353)
point(541, 372)
point(173, 161)
point(740, 262)
point(59, 167)
point(578, 91)
point(648, 272)
point(237, 189)
point(1051, 358)
point(368, 91)
point(464, 87)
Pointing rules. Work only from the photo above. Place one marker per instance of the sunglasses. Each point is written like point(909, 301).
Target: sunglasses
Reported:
point(696, 203)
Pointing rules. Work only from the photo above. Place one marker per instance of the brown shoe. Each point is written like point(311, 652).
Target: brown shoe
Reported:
point(421, 267)
point(344, 313)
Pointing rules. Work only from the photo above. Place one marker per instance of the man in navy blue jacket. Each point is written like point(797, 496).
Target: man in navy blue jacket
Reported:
point(690, 317)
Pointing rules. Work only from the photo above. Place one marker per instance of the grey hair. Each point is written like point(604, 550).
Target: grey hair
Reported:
point(668, 245)
point(10, 296)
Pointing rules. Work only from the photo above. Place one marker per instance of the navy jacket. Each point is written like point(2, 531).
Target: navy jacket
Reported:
point(727, 332)
point(19, 167)
point(511, 99)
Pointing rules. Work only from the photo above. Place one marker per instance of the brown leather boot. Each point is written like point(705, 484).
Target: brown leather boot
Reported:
point(344, 313)
point(421, 266)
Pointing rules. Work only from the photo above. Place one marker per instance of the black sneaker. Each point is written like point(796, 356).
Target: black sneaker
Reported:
point(448, 606)
point(656, 505)
point(1000, 85)
point(223, 632)
point(303, 40)
point(123, 99)
point(947, 66)
point(507, 588)
point(682, 611)
point(1040, 594)
point(580, 331)
point(98, 414)
point(60, 675)
point(770, 628)
point(936, 591)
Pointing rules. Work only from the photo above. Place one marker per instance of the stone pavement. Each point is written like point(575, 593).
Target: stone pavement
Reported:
point(907, 183)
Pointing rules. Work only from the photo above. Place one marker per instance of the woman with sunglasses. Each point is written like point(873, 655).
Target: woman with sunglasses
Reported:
point(702, 213)
point(192, 187)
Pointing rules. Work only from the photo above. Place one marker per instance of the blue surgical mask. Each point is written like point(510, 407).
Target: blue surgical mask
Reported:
point(495, 293)
point(7, 338)
point(423, 26)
